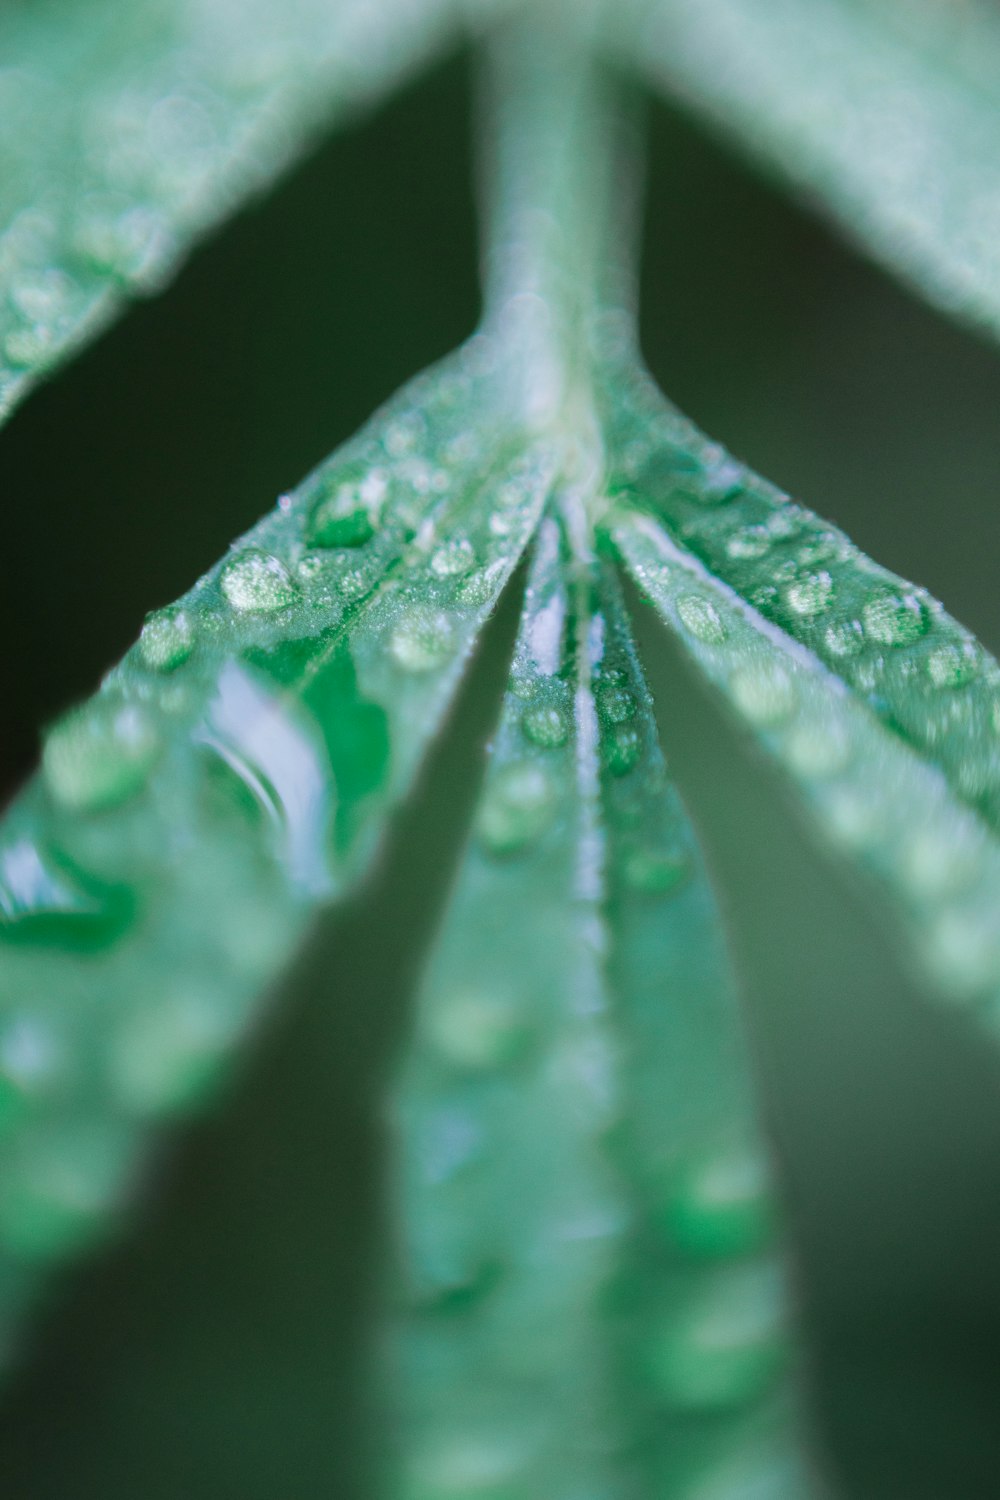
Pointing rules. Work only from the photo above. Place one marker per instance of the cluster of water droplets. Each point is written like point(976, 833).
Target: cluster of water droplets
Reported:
point(889, 641)
point(232, 772)
point(507, 1204)
point(874, 794)
point(584, 1206)
point(703, 1303)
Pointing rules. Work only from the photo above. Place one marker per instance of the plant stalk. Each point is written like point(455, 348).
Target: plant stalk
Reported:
point(560, 174)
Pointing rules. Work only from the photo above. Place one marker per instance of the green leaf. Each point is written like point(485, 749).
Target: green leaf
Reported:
point(590, 1293)
point(231, 777)
point(128, 131)
point(884, 112)
point(880, 709)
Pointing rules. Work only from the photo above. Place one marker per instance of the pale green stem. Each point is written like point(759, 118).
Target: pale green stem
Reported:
point(560, 171)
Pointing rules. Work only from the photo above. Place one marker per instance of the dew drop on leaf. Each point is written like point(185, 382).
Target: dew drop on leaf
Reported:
point(726, 1345)
point(951, 665)
point(518, 808)
point(721, 1205)
point(545, 724)
point(810, 595)
point(622, 747)
point(453, 559)
point(99, 755)
point(764, 694)
point(655, 872)
point(476, 1030)
point(895, 619)
point(817, 750)
point(422, 640)
point(719, 483)
point(342, 519)
point(167, 639)
point(700, 616)
point(257, 582)
point(844, 638)
point(616, 703)
point(750, 543)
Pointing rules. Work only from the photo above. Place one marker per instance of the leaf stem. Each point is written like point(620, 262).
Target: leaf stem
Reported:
point(560, 172)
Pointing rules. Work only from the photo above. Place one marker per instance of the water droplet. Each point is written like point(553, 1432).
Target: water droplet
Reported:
point(546, 724)
point(895, 619)
point(952, 665)
point(615, 703)
point(764, 694)
point(817, 749)
point(167, 639)
point(257, 582)
point(309, 568)
point(42, 296)
point(353, 583)
point(128, 239)
point(403, 434)
point(341, 519)
point(27, 346)
point(720, 482)
point(853, 817)
point(934, 864)
point(519, 807)
point(721, 1205)
point(702, 619)
point(810, 595)
point(964, 950)
point(786, 521)
point(44, 898)
point(750, 543)
point(453, 558)
point(99, 755)
point(726, 1345)
point(655, 872)
point(476, 1030)
point(845, 638)
point(621, 747)
point(823, 548)
point(423, 639)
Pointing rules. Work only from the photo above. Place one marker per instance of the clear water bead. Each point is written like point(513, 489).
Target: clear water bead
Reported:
point(895, 619)
point(167, 639)
point(810, 595)
point(422, 640)
point(546, 724)
point(257, 582)
point(100, 755)
point(701, 618)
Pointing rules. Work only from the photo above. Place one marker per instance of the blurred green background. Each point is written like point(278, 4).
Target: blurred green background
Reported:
point(220, 1350)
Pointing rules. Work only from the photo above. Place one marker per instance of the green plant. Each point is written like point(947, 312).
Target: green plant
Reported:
point(574, 1044)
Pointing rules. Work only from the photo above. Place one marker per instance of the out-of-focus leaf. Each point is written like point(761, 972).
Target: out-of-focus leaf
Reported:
point(886, 113)
point(127, 130)
point(591, 1299)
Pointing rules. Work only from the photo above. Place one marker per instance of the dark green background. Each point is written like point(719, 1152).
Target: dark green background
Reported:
point(217, 1353)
